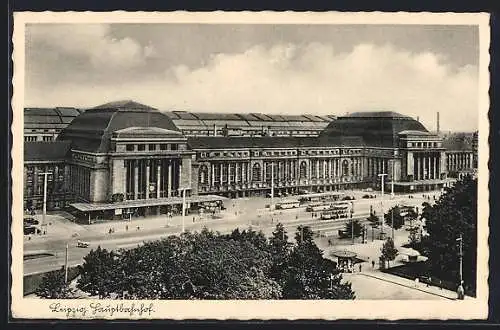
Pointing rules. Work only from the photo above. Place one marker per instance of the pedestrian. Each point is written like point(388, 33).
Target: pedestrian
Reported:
point(329, 242)
point(138, 228)
point(109, 231)
point(126, 228)
point(360, 268)
point(373, 264)
point(193, 219)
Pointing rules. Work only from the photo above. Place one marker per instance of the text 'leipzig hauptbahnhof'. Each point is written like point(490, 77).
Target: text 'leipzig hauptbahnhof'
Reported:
point(124, 156)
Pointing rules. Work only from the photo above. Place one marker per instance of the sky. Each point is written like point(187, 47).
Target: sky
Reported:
point(415, 70)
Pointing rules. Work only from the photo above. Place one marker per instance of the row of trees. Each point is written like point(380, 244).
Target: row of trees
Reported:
point(207, 265)
point(453, 216)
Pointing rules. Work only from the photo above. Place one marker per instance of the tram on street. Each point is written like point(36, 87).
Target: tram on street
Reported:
point(287, 205)
point(329, 196)
point(337, 211)
point(316, 207)
point(405, 209)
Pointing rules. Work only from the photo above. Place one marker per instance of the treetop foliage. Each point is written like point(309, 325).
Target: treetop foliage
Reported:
point(209, 265)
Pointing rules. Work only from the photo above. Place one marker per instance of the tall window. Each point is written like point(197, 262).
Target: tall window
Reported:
point(320, 174)
point(216, 173)
point(256, 172)
point(303, 170)
point(314, 173)
point(345, 167)
point(203, 175)
point(224, 172)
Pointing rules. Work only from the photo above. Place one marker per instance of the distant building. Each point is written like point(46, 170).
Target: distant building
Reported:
point(45, 124)
point(461, 154)
point(125, 157)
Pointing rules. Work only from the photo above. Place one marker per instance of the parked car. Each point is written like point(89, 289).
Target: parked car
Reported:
point(28, 230)
point(82, 244)
point(30, 221)
point(369, 196)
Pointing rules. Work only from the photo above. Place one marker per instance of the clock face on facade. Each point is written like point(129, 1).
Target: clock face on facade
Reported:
point(151, 187)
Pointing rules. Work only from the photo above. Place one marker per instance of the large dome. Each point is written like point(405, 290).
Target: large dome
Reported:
point(91, 131)
point(376, 128)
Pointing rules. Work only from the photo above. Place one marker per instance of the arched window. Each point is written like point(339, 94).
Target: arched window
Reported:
point(203, 174)
point(303, 170)
point(345, 167)
point(256, 172)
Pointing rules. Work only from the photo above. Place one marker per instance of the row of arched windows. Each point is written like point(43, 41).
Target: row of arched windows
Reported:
point(257, 173)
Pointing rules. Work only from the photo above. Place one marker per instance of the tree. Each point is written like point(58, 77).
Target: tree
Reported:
point(208, 265)
point(279, 248)
point(353, 227)
point(411, 215)
point(413, 237)
point(454, 214)
point(99, 273)
point(309, 275)
point(53, 286)
point(393, 218)
point(374, 221)
point(389, 252)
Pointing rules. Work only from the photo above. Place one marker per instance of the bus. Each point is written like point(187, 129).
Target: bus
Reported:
point(287, 205)
point(318, 207)
point(329, 196)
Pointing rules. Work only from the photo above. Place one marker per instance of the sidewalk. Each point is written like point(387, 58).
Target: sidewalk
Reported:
point(410, 284)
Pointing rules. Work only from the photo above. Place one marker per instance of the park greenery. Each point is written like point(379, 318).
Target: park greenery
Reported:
point(393, 218)
point(54, 286)
point(353, 228)
point(210, 265)
point(452, 216)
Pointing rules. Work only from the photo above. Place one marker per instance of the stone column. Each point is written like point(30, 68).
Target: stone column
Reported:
point(212, 177)
point(136, 178)
point(147, 177)
point(436, 173)
point(417, 173)
point(221, 165)
point(228, 174)
point(158, 174)
point(170, 179)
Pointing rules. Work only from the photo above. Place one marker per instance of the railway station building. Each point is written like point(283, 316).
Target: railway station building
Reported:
point(125, 157)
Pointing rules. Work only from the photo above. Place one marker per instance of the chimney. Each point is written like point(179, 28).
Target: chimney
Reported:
point(437, 123)
point(418, 118)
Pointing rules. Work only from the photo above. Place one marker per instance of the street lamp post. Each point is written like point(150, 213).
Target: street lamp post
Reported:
point(460, 255)
point(352, 224)
point(382, 181)
point(183, 208)
point(392, 180)
point(44, 214)
point(66, 265)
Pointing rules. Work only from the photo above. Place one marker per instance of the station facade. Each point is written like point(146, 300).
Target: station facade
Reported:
point(125, 157)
